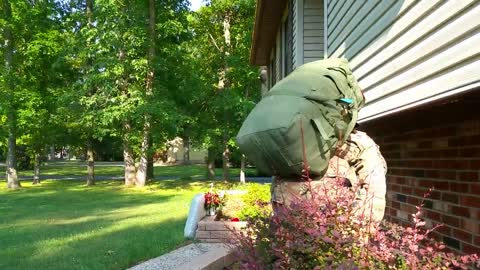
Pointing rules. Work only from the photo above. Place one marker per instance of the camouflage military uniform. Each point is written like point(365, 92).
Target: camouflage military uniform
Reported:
point(359, 161)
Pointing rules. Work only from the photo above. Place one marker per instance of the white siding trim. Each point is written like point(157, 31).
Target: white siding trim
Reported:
point(345, 19)
point(419, 31)
point(331, 7)
point(374, 26)
point(443, 95)
point(427, 89)
point(339, 35)
point(405, 53)
point(447, 46)
point(445, 62)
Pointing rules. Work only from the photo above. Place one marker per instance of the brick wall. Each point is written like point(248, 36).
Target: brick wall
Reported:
point(212, 231)
point(437, 146)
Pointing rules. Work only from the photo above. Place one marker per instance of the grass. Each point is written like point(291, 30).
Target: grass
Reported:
point(197, 171)
point(76, 168)
point(66, 225)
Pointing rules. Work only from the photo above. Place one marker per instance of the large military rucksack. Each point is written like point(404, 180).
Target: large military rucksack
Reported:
point(313, 108)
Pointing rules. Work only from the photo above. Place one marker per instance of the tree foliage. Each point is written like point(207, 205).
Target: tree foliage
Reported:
point(81, 77)
point(220, 111)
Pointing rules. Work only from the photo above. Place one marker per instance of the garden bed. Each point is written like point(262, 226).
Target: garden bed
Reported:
point(232, 206)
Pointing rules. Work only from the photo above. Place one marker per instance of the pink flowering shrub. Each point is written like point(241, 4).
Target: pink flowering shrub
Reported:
point(330, 232)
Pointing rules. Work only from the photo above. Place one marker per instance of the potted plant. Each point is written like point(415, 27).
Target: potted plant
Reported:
point(212, 202)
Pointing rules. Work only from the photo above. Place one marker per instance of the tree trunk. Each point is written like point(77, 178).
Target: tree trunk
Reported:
point(36, 168)
point(90, 154)
point(128, 160)
point(225, 160)
point(52, 153)
point(211, 163)
point(186, 150)
point(242, 169)
point(224, 83)
point(89, 6)
point(12, 178)
point(150, 173)
point(90, 164)
point(142, 167)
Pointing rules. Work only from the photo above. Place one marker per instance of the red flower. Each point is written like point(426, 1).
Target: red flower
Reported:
point(212, 199)
point(235, 219)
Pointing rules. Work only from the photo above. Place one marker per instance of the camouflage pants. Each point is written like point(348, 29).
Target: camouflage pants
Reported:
point(360, 163)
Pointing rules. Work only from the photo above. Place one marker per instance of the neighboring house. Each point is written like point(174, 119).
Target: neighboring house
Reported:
point(418, 63)
point(177, 153)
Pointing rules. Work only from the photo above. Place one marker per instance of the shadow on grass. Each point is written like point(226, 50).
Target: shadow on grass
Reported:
point(73, 168)
point(104, 196)
point(197, 171)
point(109, 246)
point(186, 184)
point(65, 225)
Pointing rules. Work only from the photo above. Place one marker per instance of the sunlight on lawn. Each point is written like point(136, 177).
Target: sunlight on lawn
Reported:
point(65, 225)
point(76, 168)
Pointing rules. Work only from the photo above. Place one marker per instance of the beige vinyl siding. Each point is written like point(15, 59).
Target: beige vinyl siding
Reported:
point(405, 53)
point(313, 30)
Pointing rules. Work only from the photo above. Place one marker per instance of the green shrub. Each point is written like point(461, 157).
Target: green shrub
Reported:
point(254, 204)
point(232, 206)
point(257, 202)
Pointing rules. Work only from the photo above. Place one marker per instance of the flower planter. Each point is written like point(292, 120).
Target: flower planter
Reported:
point(213, 231)
point(212, 211)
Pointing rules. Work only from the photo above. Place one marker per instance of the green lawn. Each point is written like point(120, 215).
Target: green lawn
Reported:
point(66, 225)
point(75, 168)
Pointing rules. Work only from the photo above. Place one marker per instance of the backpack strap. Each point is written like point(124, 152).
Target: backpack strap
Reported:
point(318, 125)
point(320, 133)
point(351, 125)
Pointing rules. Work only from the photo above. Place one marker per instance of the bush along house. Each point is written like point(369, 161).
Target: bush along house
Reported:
point(418, 63)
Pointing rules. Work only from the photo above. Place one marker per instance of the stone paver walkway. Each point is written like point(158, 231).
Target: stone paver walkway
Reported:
point(194, 256)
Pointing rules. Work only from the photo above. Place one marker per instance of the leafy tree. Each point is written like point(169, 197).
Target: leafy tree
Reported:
point(81, 104)
point(87, 73)
point(45, 73)
point(8, 87)
point(133, 75)
point(28, 77)
point(230, 85)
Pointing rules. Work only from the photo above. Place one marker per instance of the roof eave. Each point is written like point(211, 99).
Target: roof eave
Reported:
point(268, 16)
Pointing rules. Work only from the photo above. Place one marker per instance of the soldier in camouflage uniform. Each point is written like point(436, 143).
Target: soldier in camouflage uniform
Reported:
point(360, 162)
